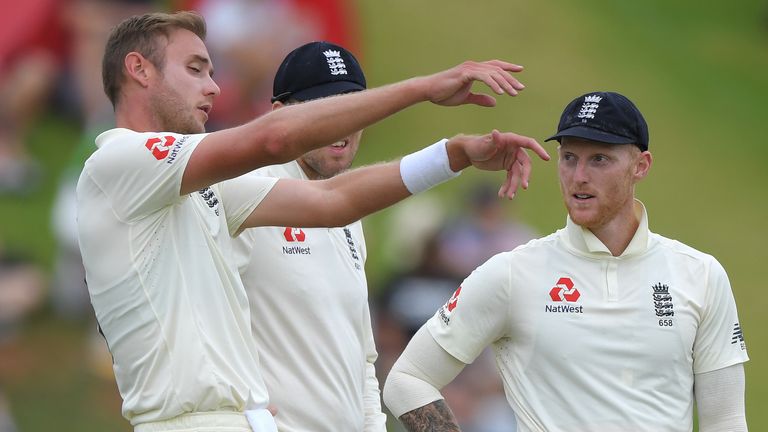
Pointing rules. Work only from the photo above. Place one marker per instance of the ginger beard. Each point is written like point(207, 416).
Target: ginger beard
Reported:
point(597, 181)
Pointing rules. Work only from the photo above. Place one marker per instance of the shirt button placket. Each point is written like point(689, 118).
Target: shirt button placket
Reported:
point(611, 279)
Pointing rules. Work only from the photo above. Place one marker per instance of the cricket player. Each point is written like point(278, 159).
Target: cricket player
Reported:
point(601, 326)
point(159, 201)
point(306, 286)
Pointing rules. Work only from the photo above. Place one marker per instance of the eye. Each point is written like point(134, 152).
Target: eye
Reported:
point(194, 69)
point(600, 158)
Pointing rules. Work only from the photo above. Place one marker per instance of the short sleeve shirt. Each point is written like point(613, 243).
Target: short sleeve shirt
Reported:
point(160, 273)
point(586, 341)
point(309, 308)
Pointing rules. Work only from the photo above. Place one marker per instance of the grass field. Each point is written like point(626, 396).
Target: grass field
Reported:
point(695, 69)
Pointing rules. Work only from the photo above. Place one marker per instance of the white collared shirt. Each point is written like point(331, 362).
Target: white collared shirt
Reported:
point(162, 279)
point(310, 317)
point(586, 341)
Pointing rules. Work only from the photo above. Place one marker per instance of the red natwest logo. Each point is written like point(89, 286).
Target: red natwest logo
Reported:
point(160, 146)
point(564, 291)
point(454, 299)
point(294, 234)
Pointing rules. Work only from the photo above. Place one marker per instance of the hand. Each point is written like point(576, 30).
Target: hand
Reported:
point(453, 86)
point(495, 152)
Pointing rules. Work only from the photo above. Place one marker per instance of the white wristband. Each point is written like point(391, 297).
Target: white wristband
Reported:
point(426, 168)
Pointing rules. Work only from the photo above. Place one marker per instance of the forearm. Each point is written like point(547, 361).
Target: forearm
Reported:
point(435, 417)
point(363, 192)
point(324, 121)
point(720, 400)
point(360, 192)
point(299, 128)
point(350, 196)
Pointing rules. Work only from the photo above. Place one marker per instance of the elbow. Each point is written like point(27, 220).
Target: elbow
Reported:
point(278, 139)
point(277, 147)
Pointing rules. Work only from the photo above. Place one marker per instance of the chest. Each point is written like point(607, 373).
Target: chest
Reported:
point(622, 309)
point(321, 264)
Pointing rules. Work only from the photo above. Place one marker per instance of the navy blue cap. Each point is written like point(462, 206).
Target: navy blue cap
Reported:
point(316, 70)
point(604, 117)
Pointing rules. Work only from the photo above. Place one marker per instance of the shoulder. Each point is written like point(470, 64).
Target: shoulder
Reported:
point(681, 250)
point(688, 259)
point(122, 145)
point(524, 256)
point(534, 249)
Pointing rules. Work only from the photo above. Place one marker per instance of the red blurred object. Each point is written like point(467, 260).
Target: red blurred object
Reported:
point(31, 25)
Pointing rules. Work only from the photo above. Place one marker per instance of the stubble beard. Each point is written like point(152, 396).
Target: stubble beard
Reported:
point(170, 113)
point(321, 169)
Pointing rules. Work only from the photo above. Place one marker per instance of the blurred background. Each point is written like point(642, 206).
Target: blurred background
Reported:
point(695, 69)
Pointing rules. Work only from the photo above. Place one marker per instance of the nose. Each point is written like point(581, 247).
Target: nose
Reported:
point(211, 88)
point(580, 174)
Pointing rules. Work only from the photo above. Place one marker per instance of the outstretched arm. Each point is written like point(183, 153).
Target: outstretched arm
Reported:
point(411, 391)
point(350, 196)
point(285, 134)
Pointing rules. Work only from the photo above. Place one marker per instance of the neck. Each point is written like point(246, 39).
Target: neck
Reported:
point(308, 171)
point(618, 233)
point(134, 116)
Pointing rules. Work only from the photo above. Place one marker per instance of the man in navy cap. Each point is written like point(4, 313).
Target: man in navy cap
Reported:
point(306, 286)
point(600, 326)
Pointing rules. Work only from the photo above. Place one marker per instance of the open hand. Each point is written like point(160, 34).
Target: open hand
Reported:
point(501, 151)
point(454, 86)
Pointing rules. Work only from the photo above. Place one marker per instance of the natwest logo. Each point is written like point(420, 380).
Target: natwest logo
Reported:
point(445, 310)
point(564, 291)
point(292, 234)
point(160, 146)
point(454, 299)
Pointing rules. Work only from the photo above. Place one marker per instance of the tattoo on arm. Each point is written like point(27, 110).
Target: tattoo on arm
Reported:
point(434, 417)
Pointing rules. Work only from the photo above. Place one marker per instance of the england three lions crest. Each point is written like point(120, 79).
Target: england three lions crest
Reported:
point(662, 304)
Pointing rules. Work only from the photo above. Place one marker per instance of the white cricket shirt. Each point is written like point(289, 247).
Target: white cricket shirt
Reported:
point(162, 279)
point(585, 341)
point(311, 321)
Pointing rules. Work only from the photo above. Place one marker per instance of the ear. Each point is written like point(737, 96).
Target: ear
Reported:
point(277, 105)
point(643, 165)
point(138, 68)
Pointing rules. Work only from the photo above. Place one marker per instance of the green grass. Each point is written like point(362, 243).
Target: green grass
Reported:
point(696, 70)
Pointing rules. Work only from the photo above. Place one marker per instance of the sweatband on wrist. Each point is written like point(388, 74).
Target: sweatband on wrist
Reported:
point(426, 168)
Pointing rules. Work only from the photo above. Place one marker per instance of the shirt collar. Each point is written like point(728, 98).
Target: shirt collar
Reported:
point(105, 136)
point(584, 241)
point(294, 170)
